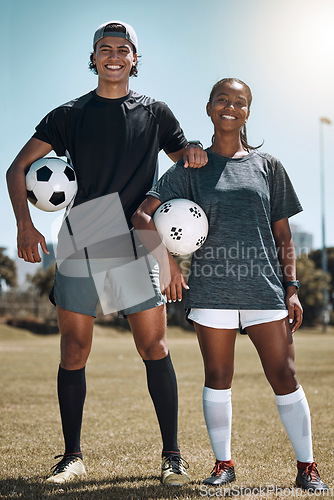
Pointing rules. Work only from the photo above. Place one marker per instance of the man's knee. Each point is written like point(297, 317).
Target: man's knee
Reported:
point(154, 349)
point(74, 351)
point(149, 333)
point(76, 339)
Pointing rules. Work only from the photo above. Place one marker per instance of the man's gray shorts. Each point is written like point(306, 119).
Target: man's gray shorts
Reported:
point(99, 260)
point(80, 295)
point(124, 285)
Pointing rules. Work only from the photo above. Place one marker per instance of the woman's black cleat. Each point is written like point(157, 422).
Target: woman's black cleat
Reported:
point(309, 479)
point(222, 473)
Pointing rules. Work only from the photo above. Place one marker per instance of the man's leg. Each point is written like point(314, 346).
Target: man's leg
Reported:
point(75, 345)
point(149, 332)
point(76, 340)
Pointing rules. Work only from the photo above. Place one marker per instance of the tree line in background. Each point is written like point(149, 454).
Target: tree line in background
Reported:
point(7, 270)
point(309, 273)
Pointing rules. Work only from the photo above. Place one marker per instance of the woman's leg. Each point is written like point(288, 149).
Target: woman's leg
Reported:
point(274, 344)
point(217, 347)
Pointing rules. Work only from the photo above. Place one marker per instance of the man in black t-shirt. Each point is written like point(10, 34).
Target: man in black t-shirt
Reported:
point(112, 137)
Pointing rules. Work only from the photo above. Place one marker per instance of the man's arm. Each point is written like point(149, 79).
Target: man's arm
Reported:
point(287, 259)
point(28, 237)
point(193, 156)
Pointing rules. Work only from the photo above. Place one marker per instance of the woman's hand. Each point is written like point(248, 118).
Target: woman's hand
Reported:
point(172, 280)
point(294, 308)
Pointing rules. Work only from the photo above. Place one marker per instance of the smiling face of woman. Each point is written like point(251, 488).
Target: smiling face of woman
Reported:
point(228, 107)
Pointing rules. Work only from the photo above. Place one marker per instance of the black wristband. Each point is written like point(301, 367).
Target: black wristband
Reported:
point(194, 143)
point(295, 283)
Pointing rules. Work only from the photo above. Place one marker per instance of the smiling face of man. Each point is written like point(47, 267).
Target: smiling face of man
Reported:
point(114, 58)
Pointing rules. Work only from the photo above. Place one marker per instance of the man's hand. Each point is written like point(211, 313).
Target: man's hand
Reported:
point(28, 238)
point(294, 308)
point(27, 244)
point(194, 157)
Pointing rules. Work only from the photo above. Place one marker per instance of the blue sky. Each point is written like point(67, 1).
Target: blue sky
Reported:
point(283, 49)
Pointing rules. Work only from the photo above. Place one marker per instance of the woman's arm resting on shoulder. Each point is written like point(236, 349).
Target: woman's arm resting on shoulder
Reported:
point(28, 237)
point(286, 254)
point(171, 278)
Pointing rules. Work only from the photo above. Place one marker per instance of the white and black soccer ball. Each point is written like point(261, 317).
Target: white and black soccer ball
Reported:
point(51, 184)
point(182, 225)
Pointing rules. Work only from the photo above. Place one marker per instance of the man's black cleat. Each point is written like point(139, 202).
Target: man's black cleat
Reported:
point(222, 473)
point(309, 479)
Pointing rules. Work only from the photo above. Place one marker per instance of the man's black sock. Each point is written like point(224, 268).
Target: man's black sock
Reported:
point(162, 386)
point(71, 396)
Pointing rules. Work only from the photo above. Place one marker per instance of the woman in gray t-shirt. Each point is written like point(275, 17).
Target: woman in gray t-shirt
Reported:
point(244, 274)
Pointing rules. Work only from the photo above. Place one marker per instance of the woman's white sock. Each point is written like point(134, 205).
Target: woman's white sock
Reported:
point(295, 415)
point(217, 409)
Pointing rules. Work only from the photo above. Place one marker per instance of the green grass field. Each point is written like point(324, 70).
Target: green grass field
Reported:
point(120, 437)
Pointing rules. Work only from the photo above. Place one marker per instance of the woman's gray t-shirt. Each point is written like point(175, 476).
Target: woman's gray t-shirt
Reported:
point(238, 266)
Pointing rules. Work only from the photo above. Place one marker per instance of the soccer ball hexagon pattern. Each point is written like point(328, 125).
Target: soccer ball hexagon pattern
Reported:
point(51, 184)
point(182, 225)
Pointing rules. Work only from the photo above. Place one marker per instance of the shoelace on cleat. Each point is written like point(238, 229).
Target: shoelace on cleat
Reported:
point(312, 472)
point(176, 464)
point(219, 467)
point(62, 464)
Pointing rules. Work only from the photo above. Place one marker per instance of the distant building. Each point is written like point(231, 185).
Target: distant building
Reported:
point(302, 240)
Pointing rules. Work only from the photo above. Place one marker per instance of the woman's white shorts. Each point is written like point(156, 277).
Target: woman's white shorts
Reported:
point(232, 318)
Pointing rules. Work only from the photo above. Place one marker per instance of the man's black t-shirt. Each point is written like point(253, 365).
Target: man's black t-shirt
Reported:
point(112, 144)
